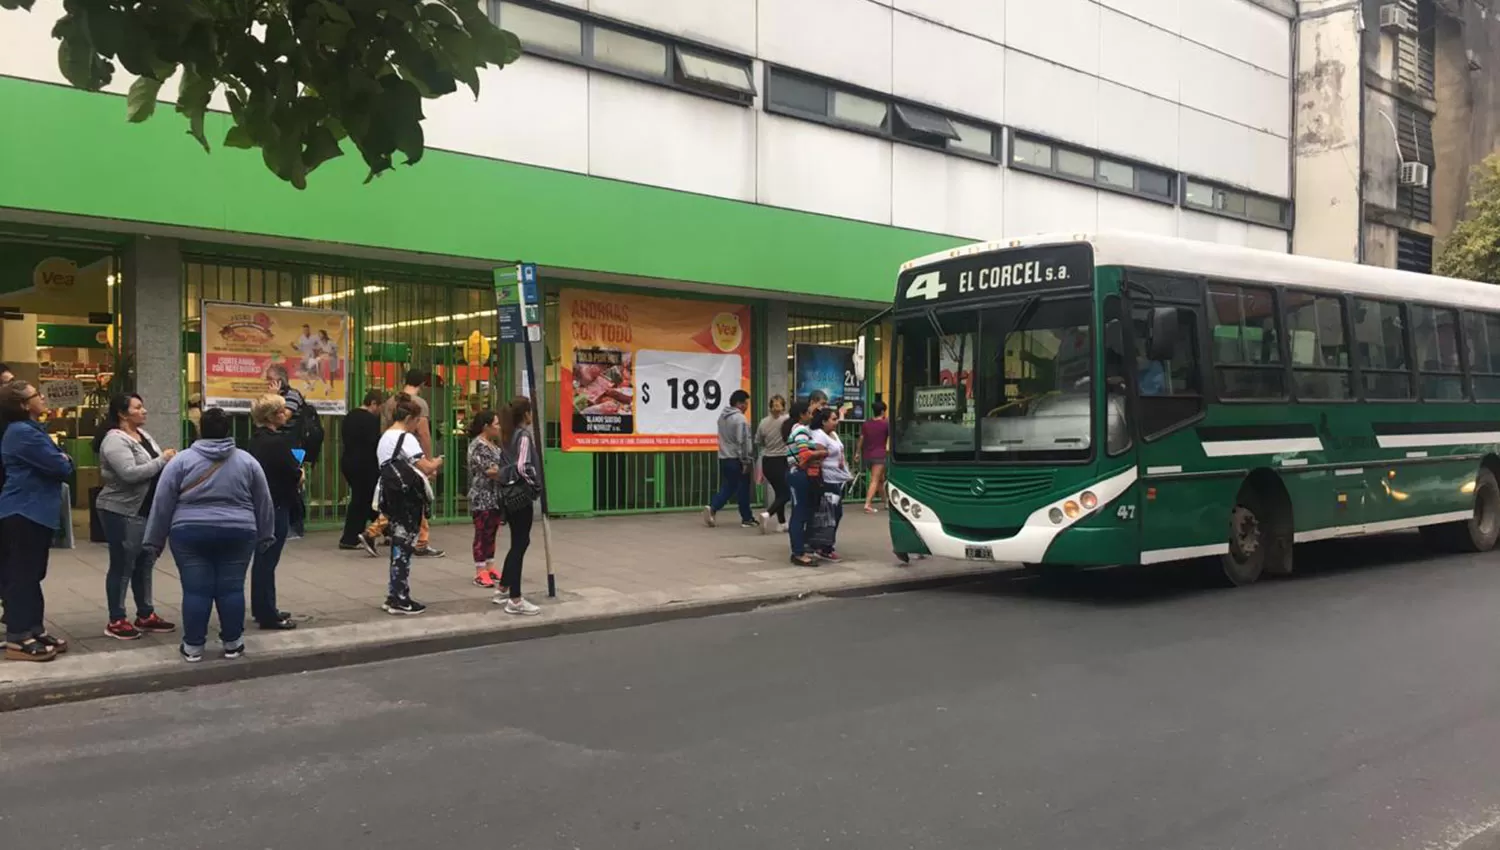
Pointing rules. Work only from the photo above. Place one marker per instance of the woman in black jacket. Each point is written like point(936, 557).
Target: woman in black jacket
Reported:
point(361, 436)
point(271, 446)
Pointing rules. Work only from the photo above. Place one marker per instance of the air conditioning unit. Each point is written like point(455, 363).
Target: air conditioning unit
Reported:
point(1394, 18)
point(1416, 174)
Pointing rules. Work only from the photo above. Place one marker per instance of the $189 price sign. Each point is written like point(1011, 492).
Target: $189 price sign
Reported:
point(681, 393)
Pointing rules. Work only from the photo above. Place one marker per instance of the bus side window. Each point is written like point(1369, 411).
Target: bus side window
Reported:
point(1169, 384)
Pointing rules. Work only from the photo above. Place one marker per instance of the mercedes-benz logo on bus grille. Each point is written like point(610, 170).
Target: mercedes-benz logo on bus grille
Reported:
point(978, 487)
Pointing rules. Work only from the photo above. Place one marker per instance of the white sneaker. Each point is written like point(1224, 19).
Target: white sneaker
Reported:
point(708, 517)
point(766, 523)
point(522, 607)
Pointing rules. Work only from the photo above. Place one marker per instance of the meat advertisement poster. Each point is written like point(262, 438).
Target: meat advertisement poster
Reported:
point(245, 346)
point(644, 374)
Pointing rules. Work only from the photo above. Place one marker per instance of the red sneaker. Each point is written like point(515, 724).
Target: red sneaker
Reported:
point(484, 578)
point(154, 624)
point(122, 630)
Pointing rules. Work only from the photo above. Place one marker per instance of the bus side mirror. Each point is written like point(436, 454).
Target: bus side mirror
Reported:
point(1164, 332)
point(1114, 339)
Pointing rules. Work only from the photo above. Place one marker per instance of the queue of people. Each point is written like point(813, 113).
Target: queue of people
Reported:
point(227, 514)
point(804, 462)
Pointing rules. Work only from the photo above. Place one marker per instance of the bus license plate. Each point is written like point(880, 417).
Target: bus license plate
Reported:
point(979, 553)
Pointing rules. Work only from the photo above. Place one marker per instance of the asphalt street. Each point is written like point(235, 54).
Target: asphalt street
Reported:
point(1357, 706)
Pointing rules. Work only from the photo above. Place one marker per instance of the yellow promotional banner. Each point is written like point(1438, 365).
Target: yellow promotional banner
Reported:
point(248, 347)
point(648, 374)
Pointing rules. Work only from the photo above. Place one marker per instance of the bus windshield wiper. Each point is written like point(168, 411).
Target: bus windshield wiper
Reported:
point(1022, 315)
point(953, 353)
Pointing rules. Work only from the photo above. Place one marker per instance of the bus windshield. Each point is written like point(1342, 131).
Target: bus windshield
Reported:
point(1006, 381)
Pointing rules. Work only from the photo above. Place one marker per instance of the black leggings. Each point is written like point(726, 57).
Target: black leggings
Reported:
point(26, 548)
point(774, 467)
point(520, 539)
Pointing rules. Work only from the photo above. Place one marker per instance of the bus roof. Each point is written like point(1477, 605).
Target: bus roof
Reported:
point(1209, 259)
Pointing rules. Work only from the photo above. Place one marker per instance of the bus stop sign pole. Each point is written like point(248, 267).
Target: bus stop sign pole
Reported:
point(518, 315)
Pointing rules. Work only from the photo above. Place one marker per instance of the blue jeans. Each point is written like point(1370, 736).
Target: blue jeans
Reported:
point(211, 562)
point(802, 508)
point(263, 573)
point(734, 480)
point(130, 565)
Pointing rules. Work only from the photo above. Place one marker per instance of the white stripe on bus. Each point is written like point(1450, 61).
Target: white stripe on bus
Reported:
point(1344, 472)
point(1162, 470)
point(1182, 553)
point(1294, 461)
point(1377, 527)
point(1236, 448)
point(1418, 441)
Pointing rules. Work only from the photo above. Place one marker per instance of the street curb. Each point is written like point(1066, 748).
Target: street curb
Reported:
point(256, 667)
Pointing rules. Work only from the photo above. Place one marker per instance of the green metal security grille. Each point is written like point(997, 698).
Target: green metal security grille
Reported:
point(401, 320)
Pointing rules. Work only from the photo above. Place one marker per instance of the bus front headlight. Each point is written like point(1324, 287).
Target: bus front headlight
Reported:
point(1089, 500)
point(1071, 509)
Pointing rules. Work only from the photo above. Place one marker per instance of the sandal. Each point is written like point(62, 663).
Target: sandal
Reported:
point(804, 560)
point(30, 649)
point(56, 643)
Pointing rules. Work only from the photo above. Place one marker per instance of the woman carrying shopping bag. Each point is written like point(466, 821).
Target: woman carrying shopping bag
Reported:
point(804, 478)
point(836, 478)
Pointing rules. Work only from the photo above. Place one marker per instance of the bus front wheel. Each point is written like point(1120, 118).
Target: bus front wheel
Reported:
point(1478, 533)
point(1246, 558)
point(1260, 535)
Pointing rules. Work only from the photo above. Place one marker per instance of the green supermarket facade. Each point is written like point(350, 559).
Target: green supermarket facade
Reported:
point(411, 257)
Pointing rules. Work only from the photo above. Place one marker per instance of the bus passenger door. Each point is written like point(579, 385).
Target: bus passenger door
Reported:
point(1164, 334)
point(1120, 433)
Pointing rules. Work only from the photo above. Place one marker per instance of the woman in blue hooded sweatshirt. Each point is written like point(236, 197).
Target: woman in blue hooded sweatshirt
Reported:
point(214, 506)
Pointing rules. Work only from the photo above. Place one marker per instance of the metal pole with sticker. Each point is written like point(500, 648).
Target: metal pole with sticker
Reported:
point(518, 315)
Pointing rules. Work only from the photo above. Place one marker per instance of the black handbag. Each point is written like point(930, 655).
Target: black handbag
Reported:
point(518, 495)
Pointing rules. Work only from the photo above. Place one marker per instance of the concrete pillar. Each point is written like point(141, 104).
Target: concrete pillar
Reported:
point(776, 365)
point(152, 314)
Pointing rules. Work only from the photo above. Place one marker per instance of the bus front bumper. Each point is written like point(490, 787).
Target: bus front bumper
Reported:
point(1030, 544)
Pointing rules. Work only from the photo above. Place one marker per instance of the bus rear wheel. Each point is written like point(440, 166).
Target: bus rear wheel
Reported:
point(1478, 533)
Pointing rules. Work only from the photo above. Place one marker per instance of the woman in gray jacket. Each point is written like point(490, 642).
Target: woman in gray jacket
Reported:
point(129, 463)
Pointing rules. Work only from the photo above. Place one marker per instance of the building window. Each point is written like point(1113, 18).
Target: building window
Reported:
point(1416, 48)
point(801, 96)
point(1044, 156)
point(619, 49)
point(1414, 252)
point(1236, 203)
point(1414, 136)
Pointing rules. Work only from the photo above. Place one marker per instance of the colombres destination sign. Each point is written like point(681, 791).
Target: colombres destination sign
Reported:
point(995, 274)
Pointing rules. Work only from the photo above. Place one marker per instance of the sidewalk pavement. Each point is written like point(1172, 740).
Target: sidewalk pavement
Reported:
point(610, 571)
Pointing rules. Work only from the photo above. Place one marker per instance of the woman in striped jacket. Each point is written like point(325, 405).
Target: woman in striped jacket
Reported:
point(805, 458)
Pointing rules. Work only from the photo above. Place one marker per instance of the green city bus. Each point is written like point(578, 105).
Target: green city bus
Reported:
point(1093, 400)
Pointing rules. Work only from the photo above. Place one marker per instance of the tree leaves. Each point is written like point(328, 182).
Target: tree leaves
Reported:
point(299, 76)
point(140, 103)
point(1472, 250)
